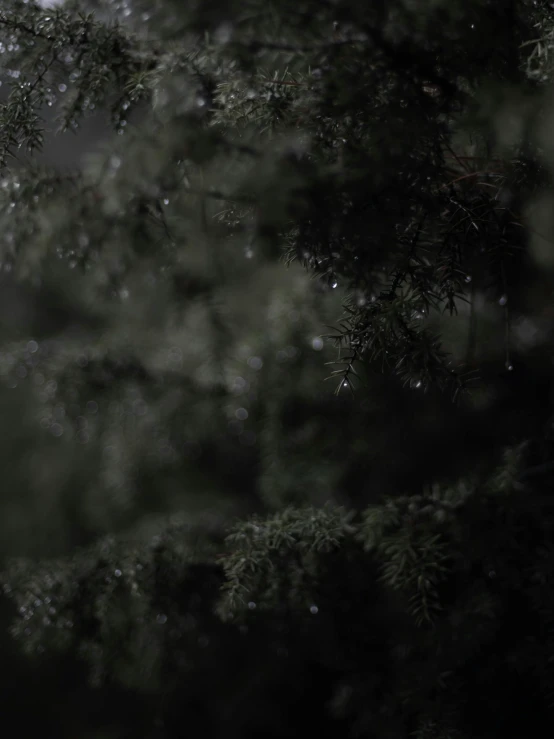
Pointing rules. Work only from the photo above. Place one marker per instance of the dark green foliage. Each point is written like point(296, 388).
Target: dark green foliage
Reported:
point(197, 535)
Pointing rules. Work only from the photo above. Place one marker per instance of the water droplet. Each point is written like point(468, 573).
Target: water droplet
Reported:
point(252, 605)
point(334, 284)
point(161, 619)
point(317, 344)
point(468, 278)
point(503, 300)
point(241, 414)
point(62, 87)
point(117, 573)
point(32, 346)
point(224, 32)
point(509, 366)
point(255, 363)
point(239, 386)
point(314, 609)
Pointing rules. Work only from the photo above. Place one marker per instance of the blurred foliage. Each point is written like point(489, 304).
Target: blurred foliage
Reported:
point(195, 530)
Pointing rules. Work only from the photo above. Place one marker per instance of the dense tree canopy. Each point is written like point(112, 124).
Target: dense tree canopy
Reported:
point(198, 532)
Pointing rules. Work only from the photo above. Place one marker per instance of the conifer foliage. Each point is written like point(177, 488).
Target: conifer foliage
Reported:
point(197, 535)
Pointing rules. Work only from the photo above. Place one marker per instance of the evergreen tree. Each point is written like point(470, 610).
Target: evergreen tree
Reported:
point(198, 534)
